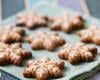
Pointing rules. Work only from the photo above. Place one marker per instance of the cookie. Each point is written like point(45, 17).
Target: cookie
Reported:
point(13, 54)
point(43, 69)
point(90, 35)
point(67, 23)
point(46, 40)
point(31, 20)
point(77, 53)
point(11, 34)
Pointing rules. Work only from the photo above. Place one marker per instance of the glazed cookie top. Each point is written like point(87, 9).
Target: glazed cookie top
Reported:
point(46, 40)
point(67, 23)
point(10, 34)
point(45, 66)
point(13, 54)
point(78, 53)
point(92, 34)
point(31, 20)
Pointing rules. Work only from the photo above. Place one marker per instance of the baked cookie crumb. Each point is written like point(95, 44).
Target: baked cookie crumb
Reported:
point(10, 34)
point(46, 40)
point(13, 54)
point(77, 53)
point(90, 35)
point(67, 23)
point(43, 69)
point(31, 20)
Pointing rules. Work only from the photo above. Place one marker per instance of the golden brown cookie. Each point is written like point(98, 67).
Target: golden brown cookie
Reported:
point(77, 53)
point(13, 54)
point(31, 20)
point(46, 40)
point(11, 34)
point(67, 23)
point(90, 35)
point(43, 69)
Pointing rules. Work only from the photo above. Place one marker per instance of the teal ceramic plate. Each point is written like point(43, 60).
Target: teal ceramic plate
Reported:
point(71, 72)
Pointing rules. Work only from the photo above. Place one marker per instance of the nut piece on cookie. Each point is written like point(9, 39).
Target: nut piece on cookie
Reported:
point(31, 20)
point(67, 23)
point(90, 35)
point(43, 69)
point(77, 53)
point(46, 40)
point(10, 34)
point(13, 54)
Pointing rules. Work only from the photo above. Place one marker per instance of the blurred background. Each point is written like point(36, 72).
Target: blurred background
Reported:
point(11, 7)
